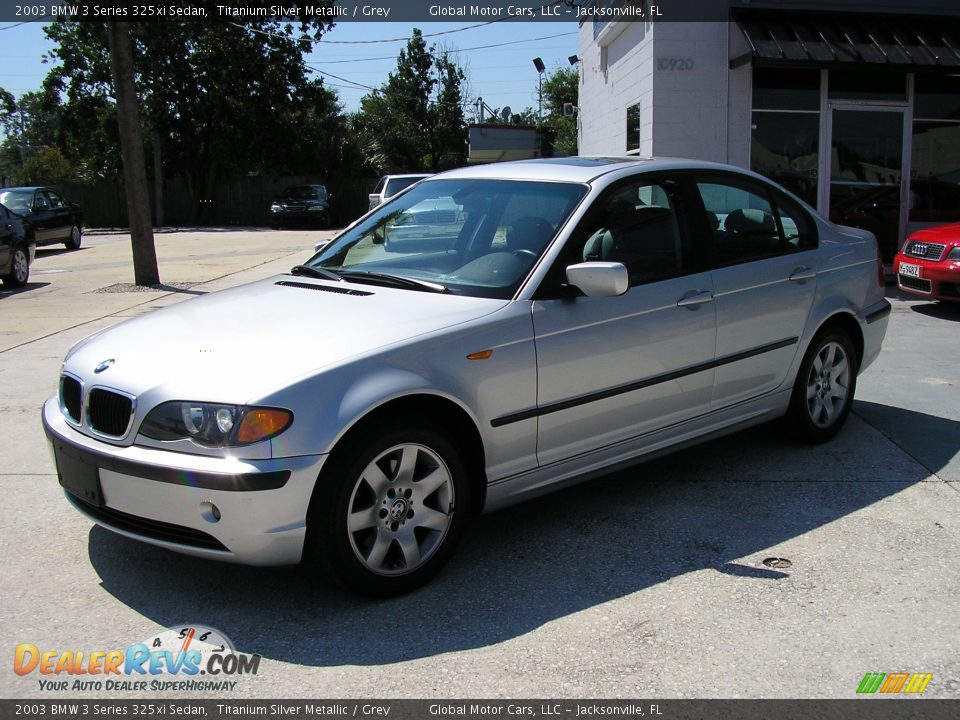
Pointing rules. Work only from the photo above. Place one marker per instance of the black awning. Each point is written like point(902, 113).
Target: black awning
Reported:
point(897, 41)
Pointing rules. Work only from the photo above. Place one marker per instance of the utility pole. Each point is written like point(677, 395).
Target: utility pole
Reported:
point(145, 269)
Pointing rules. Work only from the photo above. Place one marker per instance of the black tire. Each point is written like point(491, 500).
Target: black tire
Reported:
point(824, 388)
point(76, 236)
point(393, 515)
point(19, 268)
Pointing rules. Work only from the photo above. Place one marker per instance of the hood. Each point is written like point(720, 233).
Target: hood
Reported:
point(943, 234)
point(239, 345)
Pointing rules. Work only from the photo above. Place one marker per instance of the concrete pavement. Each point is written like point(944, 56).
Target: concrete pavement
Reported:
point(67, 288)
point(649, 582)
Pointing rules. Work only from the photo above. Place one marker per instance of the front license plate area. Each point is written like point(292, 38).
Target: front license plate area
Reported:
point(78, 475)
point(909, 270)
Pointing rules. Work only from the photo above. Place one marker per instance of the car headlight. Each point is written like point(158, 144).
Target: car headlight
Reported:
point(214, 425)
point(954, 254)
point(276, 207)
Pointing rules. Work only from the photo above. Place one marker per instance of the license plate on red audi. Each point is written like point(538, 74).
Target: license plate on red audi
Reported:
point(909, 270)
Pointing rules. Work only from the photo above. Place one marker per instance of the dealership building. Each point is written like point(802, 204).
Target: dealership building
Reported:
point(852, 105)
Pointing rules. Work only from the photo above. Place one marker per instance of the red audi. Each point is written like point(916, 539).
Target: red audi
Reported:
point(929, 263)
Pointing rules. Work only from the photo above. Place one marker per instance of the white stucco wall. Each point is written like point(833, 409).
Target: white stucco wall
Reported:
point(692, 104)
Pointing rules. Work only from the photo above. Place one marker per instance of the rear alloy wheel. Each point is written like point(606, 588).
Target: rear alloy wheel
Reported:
point(386, 516)
point(825, 386)
point(75, 237)
point(19, 268)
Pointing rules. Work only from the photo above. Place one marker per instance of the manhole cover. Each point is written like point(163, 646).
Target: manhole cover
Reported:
point(778, 563)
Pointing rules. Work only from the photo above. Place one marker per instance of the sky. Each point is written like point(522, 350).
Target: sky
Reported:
point(503, 76)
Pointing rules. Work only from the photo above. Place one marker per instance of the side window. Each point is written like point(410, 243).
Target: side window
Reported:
point(380, 185)
point(799, 230)
point(639, 225)
point(742, 220)
point(40, 201)
point(55, 200)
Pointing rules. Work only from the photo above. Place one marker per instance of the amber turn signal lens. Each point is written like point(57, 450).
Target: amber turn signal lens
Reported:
point(261, 424)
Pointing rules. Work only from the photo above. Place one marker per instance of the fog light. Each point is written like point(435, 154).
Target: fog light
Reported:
point(209, 512)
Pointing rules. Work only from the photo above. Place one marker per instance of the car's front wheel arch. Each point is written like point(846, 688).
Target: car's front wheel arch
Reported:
point(443, 436)
point(441, 411)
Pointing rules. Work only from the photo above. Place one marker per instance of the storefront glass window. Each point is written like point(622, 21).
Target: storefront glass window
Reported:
point(935, 174)
point(937, 97)
point(867, 85)
point(784, 148)
point(786, 89)
point(935, 181)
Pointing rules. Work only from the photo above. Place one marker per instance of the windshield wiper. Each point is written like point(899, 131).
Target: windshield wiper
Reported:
point(376, 278)
point(313, 272)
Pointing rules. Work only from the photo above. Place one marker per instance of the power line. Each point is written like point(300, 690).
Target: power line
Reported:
point(11, 27)
point(468, 49)
point(357, 42)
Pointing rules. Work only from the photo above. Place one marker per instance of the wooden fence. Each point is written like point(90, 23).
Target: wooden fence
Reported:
point(240, 201)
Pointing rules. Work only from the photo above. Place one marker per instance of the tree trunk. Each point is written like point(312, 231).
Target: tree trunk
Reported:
point(158, 180)
point(145, 270)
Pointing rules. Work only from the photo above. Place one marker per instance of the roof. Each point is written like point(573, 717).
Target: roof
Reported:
point(575, 169)
point(845, 38)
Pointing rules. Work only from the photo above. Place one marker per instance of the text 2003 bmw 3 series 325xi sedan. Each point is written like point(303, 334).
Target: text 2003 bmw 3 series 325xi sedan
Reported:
point(554, 319)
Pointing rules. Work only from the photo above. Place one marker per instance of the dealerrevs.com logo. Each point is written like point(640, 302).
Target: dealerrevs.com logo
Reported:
point(183, 658)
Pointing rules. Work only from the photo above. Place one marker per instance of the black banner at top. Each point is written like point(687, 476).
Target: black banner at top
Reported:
point(339, 11)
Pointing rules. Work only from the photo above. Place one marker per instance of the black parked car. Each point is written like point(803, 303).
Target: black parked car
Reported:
point(17, 249)
point(301, 205)
point(49, 216)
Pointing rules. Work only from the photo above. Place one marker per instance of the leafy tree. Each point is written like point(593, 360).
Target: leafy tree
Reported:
point(527, 116)
point(559, 88)
point(217, 99)
point(46, 166)
point(415, 121)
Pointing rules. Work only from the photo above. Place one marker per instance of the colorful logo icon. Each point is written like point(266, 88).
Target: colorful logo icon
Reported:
point(894, 683)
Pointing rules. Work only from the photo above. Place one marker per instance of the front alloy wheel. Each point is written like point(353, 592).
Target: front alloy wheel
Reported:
point(19, 268)
point(389, 508)
point(823, 393)
point(401, 509)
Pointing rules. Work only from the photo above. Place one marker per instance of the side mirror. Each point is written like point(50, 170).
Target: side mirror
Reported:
point(599, 279)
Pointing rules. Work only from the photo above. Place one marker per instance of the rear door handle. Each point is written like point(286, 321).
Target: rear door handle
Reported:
point(695, 299)
point(803, 273)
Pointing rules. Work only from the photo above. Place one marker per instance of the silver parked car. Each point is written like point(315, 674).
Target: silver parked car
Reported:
point(390, 185)
point(559, 318)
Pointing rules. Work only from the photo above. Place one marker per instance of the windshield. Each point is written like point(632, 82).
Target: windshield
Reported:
point(16, 200)
point(305, 192)
point(472, 237)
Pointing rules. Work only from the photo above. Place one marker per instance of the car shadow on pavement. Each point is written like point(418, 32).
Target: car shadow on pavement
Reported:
point(50, 250)
point(8, 291)
point(930, 440)
point(939, 310)
point(718, 507)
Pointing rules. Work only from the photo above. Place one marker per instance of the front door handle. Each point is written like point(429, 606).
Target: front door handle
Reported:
point(802, 273)
point(695, 299)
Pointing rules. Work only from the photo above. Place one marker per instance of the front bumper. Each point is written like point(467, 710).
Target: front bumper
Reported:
point(167, 498)
point(937, 281)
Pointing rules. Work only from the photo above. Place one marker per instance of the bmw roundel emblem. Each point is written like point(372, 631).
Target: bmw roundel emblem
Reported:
point(103, 366)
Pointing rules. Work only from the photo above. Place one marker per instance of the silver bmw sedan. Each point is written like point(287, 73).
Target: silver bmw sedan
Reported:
point(488, 335)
